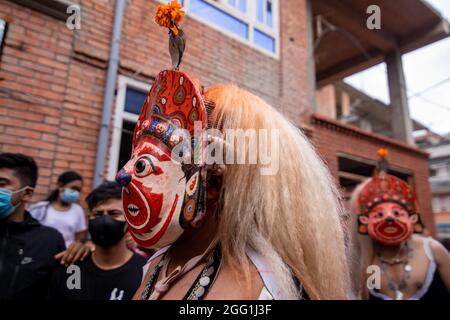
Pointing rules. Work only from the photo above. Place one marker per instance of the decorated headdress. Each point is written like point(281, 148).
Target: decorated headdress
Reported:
point(164, 186)
point(385, 188)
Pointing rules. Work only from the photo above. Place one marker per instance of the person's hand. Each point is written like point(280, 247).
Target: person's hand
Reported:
point(131, 244)
point(76, 252)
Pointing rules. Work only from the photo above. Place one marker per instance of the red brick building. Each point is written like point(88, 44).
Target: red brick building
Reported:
point(52, 78)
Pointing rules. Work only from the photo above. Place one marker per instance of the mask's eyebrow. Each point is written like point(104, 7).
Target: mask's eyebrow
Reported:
point(153, 151)
point(151, 162)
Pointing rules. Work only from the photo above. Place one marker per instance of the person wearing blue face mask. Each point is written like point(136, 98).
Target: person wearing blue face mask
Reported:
point(62, 211)
point(27, 249)
point(6, 203)
point(13, 194)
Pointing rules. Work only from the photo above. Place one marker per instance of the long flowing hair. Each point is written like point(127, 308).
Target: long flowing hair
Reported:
point(293, 218)
point(363, 248)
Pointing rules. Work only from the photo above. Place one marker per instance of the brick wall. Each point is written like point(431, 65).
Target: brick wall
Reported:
point(331, 137)
point(33, 76)
point(52, 79)
point(213, 57)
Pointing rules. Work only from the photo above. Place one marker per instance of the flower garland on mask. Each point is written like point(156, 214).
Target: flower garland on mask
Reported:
point(170, 16)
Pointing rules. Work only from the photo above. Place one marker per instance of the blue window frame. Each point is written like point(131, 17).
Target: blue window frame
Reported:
point(269, 14)
point(218, 17)
point(241, 5)
point(260, 10)
point(256, 22)
point(264, 41)
point(264, 12)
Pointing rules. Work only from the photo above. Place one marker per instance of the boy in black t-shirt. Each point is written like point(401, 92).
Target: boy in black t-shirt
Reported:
point(112, 272)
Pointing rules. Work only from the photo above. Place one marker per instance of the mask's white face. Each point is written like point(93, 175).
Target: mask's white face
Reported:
point(153, 195)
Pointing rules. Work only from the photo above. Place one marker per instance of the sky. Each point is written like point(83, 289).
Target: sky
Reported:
point(427, 72)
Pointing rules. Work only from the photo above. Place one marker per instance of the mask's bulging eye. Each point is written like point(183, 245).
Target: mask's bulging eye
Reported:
point(144, 166)
point(380, 214)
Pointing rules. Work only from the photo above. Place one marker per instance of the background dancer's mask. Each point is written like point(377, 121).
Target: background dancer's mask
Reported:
point(387, 207)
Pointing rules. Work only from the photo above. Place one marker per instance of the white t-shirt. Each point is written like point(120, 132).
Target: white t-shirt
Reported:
point(68, 223)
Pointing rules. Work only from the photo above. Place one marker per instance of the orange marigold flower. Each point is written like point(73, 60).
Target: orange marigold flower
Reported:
point(170, 16)
point(383, 153)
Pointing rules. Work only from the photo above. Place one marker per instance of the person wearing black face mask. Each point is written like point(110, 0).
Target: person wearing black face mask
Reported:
point(105, 230)
point(112, 272)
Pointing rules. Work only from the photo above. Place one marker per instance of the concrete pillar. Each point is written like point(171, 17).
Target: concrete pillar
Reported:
point(401, 120)
point(345, 104)
point(365, 125)
point(311, 58)
point(326, 101)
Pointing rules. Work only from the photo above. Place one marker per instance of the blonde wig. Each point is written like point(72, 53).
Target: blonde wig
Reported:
point(293, 218)
point(363, 248)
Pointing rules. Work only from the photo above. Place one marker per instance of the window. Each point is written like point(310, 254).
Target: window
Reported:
point(355, 170)
point(219, 17)
point(3, 29)
point(254, 22)
point(265, 12)
point(239, 4)
point(131, 95)
point(442, 170)
point(53, 8)
point(441, 204)
point(433, 172)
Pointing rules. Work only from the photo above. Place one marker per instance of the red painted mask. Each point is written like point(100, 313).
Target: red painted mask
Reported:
point(163, 187)
point(388, 210)
point(389, 223)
